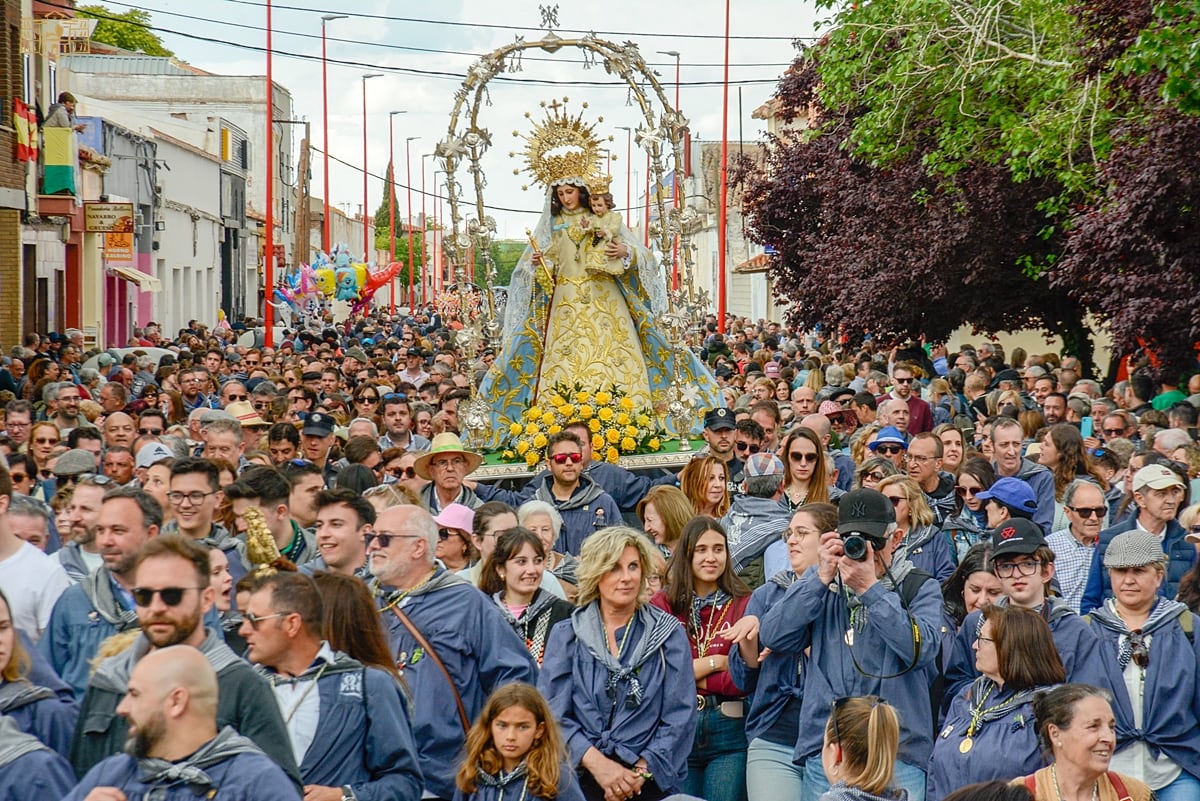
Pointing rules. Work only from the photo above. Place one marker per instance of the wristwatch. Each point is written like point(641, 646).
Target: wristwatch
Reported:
point(348, 793)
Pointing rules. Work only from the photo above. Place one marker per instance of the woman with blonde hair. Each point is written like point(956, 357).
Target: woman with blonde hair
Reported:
point(705, 482)
point(862, 739)
point(919, 539)
point(664, 512)
point(863, 438)
point(618, 676)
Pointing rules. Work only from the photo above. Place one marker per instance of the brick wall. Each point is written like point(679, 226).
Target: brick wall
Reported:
point(12, 175)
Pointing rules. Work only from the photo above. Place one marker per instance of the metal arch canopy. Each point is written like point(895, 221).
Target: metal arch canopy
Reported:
point(466, 142)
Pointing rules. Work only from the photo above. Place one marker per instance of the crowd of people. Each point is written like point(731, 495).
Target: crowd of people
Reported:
point(900, 573)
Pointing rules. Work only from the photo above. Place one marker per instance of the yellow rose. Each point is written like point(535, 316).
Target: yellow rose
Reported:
point(567, 410)
point(548, 419)
point(612, 456)
point(531, 429)
point(515, 429)
point(594, 425)
point(554, 429)
point(627, 404)
point(603, 397)
point(628, 444)
point(532, 459)
point(605, 414)
point(582, 397)
point(643, 420)
point(630, 431)
point(533, 413)
point(597, 442)
point(509, 456)
point(540, 441)
point(654, 444)
point(586, 412)
point(613, 436)
point(555, 399)
point(623, 419)
point(522, 447)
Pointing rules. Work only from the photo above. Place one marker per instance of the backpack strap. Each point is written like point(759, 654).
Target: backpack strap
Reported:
point(1119, 786)
point(910, 585)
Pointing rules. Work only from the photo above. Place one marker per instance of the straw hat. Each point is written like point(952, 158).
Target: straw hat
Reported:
point(444, 444)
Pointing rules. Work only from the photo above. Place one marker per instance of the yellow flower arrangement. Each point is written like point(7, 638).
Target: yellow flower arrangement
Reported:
point(618, 426)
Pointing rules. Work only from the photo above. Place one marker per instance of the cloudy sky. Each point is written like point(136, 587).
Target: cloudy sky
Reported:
point(424, 49)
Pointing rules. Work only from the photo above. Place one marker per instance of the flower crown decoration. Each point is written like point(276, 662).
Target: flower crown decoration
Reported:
point(560, 149)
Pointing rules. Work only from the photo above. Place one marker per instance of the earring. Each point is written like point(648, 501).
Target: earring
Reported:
point(1059, 743)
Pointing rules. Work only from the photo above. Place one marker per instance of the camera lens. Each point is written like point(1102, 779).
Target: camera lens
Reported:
point(855, 547)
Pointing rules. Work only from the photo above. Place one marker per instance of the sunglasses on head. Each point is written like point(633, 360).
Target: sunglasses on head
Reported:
point(563, 458)
point(748, 446)
point(395, 396)
point(171, 596)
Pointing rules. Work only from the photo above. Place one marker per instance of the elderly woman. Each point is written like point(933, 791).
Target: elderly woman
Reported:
point(619, 677)
point(1150, 641)
point(1077, 732)
point(1015, 656)
point(544, 520)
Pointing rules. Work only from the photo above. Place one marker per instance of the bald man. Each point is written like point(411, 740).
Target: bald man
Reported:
point(119, 429)
point(174, 747)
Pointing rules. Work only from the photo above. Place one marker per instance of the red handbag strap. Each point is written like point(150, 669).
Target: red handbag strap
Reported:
point(1119, 786)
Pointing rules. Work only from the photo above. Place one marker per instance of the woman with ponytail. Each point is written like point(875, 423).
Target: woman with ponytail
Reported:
point(859, 754)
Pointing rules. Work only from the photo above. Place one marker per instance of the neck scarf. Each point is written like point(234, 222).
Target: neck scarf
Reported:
point(16, 694)
point(502, 779)
point(537, 614)
point(716, 599)
point(113, 673)
point(784, 578)
point(657, 626)
point(97, 586)
point(190, 770)
point(15, 743)
point(1164, 613)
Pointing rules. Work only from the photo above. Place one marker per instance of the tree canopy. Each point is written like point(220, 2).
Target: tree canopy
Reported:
point(128, 30)
point(1003, 163)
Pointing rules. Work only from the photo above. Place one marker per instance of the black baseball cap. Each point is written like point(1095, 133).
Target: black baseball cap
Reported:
point(867, 512)
point(718, 419)
point(1016, 537)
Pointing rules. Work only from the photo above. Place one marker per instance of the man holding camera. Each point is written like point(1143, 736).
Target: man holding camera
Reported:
point(871, 624)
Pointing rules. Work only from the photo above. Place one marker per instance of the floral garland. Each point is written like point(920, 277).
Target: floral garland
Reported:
point(618, 426)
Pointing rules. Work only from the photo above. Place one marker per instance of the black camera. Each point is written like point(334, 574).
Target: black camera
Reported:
point(854, 545)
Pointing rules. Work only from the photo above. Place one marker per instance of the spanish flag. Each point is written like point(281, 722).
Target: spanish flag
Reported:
point(25, 123)
point(59, 161)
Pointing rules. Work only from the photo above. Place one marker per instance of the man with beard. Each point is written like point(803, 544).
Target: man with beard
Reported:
point(172, 594)
point(101, 604)
point(176, 743)
point(80, 556)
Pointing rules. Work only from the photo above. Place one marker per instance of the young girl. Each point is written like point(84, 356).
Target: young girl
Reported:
point(515, 752)
point(859, 756)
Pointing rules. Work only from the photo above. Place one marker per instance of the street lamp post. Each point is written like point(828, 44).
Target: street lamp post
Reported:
point(722, 234)
point(438, 256)
point(269, 256)
point(628, 174)
point(366, 230)
point(425, 287)
point(675, 188)
point(412, 296)
point(325, 125)
point(391, 190)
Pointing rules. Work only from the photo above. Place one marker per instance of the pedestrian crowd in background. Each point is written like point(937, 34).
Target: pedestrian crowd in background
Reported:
point(889, 573)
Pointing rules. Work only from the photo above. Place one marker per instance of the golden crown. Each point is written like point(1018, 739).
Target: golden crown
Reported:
point(599, 184)
point(561, 148)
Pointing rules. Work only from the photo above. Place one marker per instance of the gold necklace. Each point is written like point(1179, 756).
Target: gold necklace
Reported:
point(400, 596)
point(703, 643)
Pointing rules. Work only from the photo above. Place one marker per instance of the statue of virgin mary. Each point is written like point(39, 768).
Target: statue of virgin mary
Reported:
point(584, 297)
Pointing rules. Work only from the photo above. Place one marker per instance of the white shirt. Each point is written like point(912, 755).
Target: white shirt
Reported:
point(1135, 760)
point(300, 704)
point(32, 581)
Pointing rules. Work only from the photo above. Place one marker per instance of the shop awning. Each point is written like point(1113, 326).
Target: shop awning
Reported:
point(146, 283)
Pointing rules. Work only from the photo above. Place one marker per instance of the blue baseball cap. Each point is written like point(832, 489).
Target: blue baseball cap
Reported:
point(1013, 493)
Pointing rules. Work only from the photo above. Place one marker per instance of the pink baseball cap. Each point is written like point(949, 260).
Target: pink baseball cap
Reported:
point(456, 515)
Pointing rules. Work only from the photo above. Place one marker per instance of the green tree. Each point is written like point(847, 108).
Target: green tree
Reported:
point(506, 253)
point(383, 228)
point(129, 30)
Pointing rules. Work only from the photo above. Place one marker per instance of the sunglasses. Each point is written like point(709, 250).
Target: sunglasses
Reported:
point(18, 477)
point(150, 432)
point(254, 620)
point(964, 492)
point(875, 476)
point(367, 399)
point(236, 398)
point(563, 458)
point(445, 534)
point(896, 499)
point(890, 450)
point(1089, 511)
point(799, 456)
point(1139, 651)
point(1113, 432)
point(41, 441)
point(385, 538)
point(403, 472)
point(749, 446)
point(902, 380)
point(171, 596)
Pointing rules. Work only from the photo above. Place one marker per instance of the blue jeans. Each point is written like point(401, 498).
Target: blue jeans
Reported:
point(717, 763)
point(770, 772)
point(1185, 788)
point(908, 776)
